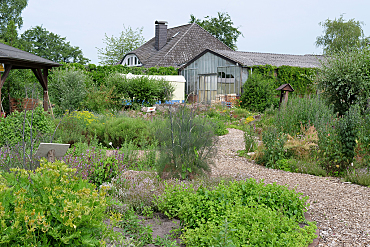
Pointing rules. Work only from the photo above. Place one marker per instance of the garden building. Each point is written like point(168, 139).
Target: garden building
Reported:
point(218, 75)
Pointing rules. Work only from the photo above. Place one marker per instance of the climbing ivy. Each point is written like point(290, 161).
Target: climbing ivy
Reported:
point(301, 79)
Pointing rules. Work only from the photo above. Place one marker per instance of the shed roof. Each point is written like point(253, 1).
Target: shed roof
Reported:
point(183, 43)
point(250, 59)
point(22, 59)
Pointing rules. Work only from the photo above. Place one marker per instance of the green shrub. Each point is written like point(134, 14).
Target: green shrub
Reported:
point(74, 127)
point(219, 127)
point(337, 142)
point(258, 93)
point(51, 207)
point(186, 144)
point(139, 91)
point(273, 150)
point(11, 127)
point(344, 79)
point(68, 89)
point(300, 112)
point(122, 130)
point(99, 99)
point(257, 214)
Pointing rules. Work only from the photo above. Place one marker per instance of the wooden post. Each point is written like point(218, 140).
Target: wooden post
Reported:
point(51, 156)
point(8, 67)
point(46, 95)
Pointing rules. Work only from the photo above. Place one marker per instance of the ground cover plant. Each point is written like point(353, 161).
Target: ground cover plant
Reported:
point(255, 214)
point(51, 207)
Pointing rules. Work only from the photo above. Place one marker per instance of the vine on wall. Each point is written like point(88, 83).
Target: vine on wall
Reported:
point(301, 79)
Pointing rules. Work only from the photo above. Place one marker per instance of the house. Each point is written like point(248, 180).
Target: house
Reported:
point(212, 70)
point(173, 46)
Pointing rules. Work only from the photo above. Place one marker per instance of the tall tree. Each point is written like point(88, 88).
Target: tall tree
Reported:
point(117, 47)
point(341, 35)
point(10, 10)
point(221, 27)
point(43, 43)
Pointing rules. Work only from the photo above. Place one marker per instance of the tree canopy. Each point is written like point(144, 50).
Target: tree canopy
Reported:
point(340, 34)
point(117, 47)
point(10, 10)
point(43, 43)
point(222, 27)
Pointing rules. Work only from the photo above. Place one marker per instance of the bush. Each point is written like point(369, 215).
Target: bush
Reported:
point(300, 112)
point(11, 127)
point(258, 93)
point(139, 91)
point(120, 130)
point(51, 207)
point(273, 147)
point(256, 214)
point(186, 143)
point(74, 126)
point(344, 79)
point(337, 141)
point(68, 89)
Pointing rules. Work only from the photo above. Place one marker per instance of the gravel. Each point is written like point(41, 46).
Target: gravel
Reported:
point(341, 210)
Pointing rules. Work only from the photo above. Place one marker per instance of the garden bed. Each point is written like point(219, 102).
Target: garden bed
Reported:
point(341, 209)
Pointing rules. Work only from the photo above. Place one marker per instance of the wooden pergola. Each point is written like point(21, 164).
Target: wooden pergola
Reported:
point(13, 58)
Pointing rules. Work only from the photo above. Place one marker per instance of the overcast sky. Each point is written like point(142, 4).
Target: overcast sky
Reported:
point(272, 26)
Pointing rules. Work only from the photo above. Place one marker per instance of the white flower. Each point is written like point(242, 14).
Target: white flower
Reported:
point(110, 144)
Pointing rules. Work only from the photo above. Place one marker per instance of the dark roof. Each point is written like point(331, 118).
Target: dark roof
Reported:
point(250, 59)
point(22, 59)
point(183, 44)
point(285, 87)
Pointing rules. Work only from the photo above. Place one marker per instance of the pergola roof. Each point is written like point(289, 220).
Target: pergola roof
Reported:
point(14, 58)
point(23, 60)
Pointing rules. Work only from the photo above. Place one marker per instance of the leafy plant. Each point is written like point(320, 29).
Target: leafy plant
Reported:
point(139, 91)
point(103, 171)
point(273, 142)
point(261, 214)
point(258, 93)
point(344, 79)
point(52, 207)
point(68, 89)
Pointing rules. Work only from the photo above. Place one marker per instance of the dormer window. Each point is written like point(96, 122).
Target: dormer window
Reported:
point(131, 60)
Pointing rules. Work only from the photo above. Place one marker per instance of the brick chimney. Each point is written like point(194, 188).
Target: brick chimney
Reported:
point(160, 34)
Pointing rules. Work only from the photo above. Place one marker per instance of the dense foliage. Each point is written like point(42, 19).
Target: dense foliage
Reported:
point(139, 91)
point(10, 10)
point(345, 79)
point(68, 89)
point(37, 40)
point(12, 127)
point(245, 213)
point(258, 93)
point(51, 207)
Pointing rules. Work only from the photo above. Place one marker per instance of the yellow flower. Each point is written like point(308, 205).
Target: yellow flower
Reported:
point(337, 166)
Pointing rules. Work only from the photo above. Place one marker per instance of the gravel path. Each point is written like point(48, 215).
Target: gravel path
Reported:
point(341, 210)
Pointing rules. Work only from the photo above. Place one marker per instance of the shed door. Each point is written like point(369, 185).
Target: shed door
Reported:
point(207, 88)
